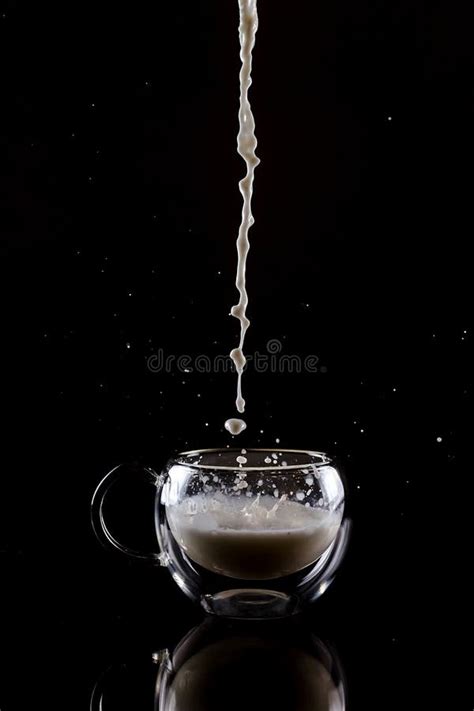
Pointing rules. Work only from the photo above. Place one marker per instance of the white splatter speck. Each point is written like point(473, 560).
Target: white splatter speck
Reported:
point(276, 493)
point(300, 495)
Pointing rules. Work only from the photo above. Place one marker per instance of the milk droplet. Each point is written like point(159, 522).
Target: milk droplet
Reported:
point(242, 460)
point(300, 495)
point(235, 426)
point(267, 460)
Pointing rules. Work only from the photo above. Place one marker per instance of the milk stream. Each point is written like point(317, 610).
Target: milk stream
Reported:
point(246, 145)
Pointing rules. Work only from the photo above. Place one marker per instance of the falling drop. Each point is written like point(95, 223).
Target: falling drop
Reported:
point(235, 426)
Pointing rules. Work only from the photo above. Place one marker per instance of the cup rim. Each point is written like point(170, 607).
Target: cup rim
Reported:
point(181, 458)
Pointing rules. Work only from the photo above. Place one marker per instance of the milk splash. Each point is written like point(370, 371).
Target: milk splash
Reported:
point(246, 145)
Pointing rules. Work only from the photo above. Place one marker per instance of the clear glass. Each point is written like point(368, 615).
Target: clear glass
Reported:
point(251, 533)
point(244, 533)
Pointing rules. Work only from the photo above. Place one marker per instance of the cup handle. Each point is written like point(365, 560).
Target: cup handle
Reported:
point(99, 524)
point(108, 680)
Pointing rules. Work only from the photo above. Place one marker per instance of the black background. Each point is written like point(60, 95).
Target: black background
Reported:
point(120, 209)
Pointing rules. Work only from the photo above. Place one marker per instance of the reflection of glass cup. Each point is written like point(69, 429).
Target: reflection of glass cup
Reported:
point(278, 665)
point(247, 533)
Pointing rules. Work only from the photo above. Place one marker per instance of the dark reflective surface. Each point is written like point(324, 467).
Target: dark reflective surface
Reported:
point(61, 632)
point(236, 665)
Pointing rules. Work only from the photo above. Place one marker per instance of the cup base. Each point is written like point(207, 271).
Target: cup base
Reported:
point(250, 604)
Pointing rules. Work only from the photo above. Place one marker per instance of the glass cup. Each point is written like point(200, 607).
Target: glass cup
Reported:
point(278, 665)
point(245, 533)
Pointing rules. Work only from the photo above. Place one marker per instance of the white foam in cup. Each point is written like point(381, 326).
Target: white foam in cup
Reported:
point(252, 540)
